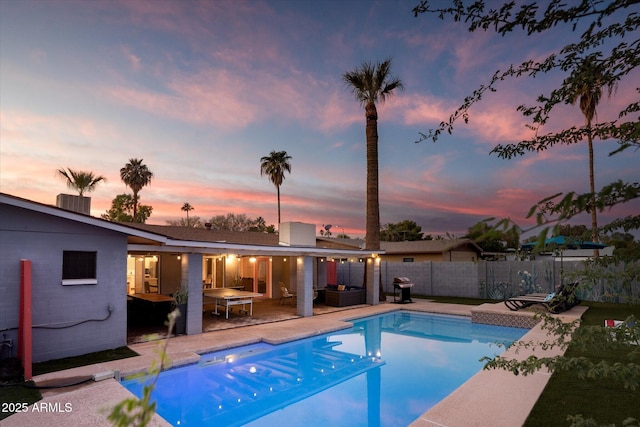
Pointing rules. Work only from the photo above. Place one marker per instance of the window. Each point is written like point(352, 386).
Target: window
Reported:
point(407, 259)
point(79, 268)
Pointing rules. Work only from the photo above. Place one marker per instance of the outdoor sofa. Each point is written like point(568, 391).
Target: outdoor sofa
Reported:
point(350, 295)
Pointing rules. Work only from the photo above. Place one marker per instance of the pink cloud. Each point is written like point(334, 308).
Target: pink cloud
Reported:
point(421, 110)
point(134, 61)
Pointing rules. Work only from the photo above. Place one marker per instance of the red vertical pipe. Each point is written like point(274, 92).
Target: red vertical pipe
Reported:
point(24, 322)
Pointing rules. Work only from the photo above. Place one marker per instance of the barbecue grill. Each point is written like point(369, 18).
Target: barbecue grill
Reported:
point(403, 285)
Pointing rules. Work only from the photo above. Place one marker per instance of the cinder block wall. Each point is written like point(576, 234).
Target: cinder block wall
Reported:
point(468, 279)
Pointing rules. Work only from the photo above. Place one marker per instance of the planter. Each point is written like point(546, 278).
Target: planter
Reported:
point(181, 321)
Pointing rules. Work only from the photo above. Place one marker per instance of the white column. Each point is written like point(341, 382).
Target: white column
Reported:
point(304, 285)
point(191, 278)
point(372, 269)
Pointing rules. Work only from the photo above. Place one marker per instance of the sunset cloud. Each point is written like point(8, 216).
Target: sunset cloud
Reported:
point(202, 90)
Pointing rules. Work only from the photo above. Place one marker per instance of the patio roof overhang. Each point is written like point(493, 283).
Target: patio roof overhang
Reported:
point(171, 246)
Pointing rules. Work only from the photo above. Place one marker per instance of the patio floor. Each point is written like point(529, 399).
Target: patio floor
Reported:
point(478, 402)
point(265, 310)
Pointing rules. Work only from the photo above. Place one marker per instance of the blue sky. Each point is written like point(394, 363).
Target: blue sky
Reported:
point(202, 90)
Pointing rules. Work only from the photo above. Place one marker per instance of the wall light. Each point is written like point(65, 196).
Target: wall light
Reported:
point(252, 259)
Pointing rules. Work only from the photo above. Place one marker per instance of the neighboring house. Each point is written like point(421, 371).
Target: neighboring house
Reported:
point(84, 268)
point(454, 250)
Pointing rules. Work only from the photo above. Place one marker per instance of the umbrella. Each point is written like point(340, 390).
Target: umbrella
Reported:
point(562, 242)
point(566, 243)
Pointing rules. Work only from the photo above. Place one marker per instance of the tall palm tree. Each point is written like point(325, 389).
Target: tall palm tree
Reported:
point(274, 166)
point(187, 207)
point(587, 88)
point(371, 83)
point(81, 181)
point(136, 176)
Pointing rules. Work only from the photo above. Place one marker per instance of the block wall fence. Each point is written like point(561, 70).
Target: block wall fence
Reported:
point(495, 280)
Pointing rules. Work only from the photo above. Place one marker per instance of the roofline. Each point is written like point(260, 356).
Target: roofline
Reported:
point(174, 246)
point(19, 202)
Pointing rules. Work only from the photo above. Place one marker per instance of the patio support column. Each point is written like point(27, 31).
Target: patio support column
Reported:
point(372, 271)
point(191, 278)
point(304, 286)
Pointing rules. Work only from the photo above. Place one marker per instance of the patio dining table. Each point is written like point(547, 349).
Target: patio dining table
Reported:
point(228, 297)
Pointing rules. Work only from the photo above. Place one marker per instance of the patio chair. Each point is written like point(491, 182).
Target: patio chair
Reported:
point(625, 331)
point(150, 288)
point(555, 302)
point(285, 294)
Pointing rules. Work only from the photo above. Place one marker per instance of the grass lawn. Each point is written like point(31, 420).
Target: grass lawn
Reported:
point(604, 400)
point(86, 359)
point(22, 393)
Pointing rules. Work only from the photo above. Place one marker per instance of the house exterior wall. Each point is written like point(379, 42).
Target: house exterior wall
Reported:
point(460, 255)
point(57, 309)
point(457, 255)
point(416, 257)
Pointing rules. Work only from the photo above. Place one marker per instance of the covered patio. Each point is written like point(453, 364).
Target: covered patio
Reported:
point(202, 261)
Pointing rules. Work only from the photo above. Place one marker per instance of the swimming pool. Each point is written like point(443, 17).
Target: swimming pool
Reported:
point(384, 371)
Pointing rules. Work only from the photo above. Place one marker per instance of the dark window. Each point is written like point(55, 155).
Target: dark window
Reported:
point(407, 259)
point(79, 265)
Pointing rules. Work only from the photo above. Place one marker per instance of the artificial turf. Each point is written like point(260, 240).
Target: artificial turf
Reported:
point(604, 400)
point(86, 359)
point(24, 392)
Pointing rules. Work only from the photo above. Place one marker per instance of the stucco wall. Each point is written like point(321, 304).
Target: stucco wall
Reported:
point(56, 308)
point(458, 255)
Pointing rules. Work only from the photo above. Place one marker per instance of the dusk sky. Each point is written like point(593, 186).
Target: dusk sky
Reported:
point(201, 90)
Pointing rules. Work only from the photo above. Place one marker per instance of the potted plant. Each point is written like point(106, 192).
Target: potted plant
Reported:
point(180, 302)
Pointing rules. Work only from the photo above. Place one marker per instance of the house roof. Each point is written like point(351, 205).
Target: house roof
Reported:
point(407, 247)
point(164, 238)
point(136, 235)
point(199, 234)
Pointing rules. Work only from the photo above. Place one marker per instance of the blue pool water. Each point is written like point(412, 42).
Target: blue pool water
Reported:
point(385, 371)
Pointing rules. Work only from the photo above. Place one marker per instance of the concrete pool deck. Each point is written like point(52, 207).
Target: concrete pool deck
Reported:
point(495, 398)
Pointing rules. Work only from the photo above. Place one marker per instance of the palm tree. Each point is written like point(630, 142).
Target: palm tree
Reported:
point(370, 83)
point(81, 181)
point(587, 88)
point(274, 166)
point(135, 175)
point(187, 207)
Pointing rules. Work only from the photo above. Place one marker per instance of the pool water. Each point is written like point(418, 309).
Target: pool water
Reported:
point(384, 371)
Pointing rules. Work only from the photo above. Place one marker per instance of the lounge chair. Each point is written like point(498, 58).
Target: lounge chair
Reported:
point(285, 294)
point(555, 302)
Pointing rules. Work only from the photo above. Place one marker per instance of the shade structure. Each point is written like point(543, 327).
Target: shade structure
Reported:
point(565, 243)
